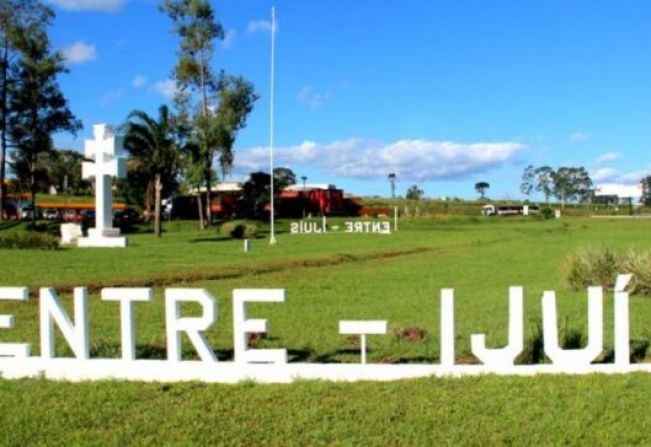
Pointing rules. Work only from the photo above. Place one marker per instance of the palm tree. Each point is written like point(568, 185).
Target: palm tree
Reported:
point(154, 151)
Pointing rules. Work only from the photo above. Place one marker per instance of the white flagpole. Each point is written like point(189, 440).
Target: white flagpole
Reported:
point(272, 239)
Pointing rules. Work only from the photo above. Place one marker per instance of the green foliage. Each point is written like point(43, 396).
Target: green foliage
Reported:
point(528, 180)
point(572, 183)
point(414, 193)
point(546, 212)
point(646, 190)
point(154, 157)
point(590, 266)
point(481, 188)
point(28, 241)
point(255, 190)
point(239, 230)
point(599, 266)
point(224, 101)
point(639, 264)
point(38, 107)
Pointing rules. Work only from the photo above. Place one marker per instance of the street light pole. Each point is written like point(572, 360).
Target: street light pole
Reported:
point(392, 180)
point(272, 238)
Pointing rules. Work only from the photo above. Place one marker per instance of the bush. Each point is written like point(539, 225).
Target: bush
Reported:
point(239, 230)
point(600, 266)
point(29, 240)
point(546, 213)
point(639, 264)
point(591, 267)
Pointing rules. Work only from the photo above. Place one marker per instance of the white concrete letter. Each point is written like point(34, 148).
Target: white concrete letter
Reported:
point(243, 326)
point(127, 297)
point(51, 311)
point(447, 327)
point(504, 357)
point(622, 332)
point(8, 321)
point(362, 328)
point(574, 358)
point(192, 326)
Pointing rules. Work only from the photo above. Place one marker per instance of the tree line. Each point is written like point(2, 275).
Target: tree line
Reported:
point(567, 184)
point(174, 148)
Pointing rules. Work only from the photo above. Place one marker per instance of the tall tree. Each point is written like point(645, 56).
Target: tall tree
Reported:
point(38, 106)
point(528, 180)
point(256, 190)
point(152, 146)
point(646, 190)
point(572, 183)
point(195, 23)
point(481, 188)
point(236, 97)
point(63, 172)
point(224, 102)
point(414, 193)
point(17, 17)
point(544, 176)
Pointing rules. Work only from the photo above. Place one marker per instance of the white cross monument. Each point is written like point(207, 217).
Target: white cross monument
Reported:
point(105, 150)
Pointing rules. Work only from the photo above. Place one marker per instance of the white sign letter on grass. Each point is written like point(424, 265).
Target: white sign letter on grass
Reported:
point(192, 326)
point(447, 327)
point(242, 326)
point(51, 311)
point(622, 333)
point(8, 322)
point(363, 328)
point(127, 297)
point(104, 150)
point(574, 358)
point(504, 357)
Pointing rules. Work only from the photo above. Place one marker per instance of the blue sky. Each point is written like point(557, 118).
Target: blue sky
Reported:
point(443, 93)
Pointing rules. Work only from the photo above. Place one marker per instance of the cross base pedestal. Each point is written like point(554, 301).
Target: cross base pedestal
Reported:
point(109, 237)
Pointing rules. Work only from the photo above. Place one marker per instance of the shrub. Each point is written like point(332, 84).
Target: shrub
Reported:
point(590, 267)
point(239, 230)
point(29, 240)
point(639, 264)
point(546, 213)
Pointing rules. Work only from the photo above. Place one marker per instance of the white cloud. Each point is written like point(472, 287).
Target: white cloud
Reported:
point(259, 25)
point(111, 96)
point(166, 88)
point(578, 137)
point(608, 156)
point(229, 39)
point(79, 52)
point(89, 5)
point(139, 81)
point(411, 160)
point(313, 99)
point(610, 175)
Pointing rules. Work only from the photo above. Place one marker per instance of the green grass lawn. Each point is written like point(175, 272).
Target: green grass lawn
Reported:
point(328, 278)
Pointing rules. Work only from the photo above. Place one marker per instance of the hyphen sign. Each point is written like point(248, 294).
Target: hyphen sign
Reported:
point(270, 365)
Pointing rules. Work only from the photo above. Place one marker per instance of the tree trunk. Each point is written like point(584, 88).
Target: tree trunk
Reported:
point(3, 129)
point(158, 187)
point(33, 191)
point(148, 199)
point(208, 201)
point(200, 208)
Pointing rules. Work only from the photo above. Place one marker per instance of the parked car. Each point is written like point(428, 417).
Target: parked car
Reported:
point(51, 214)
point(26, 213)
point(71, 216)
